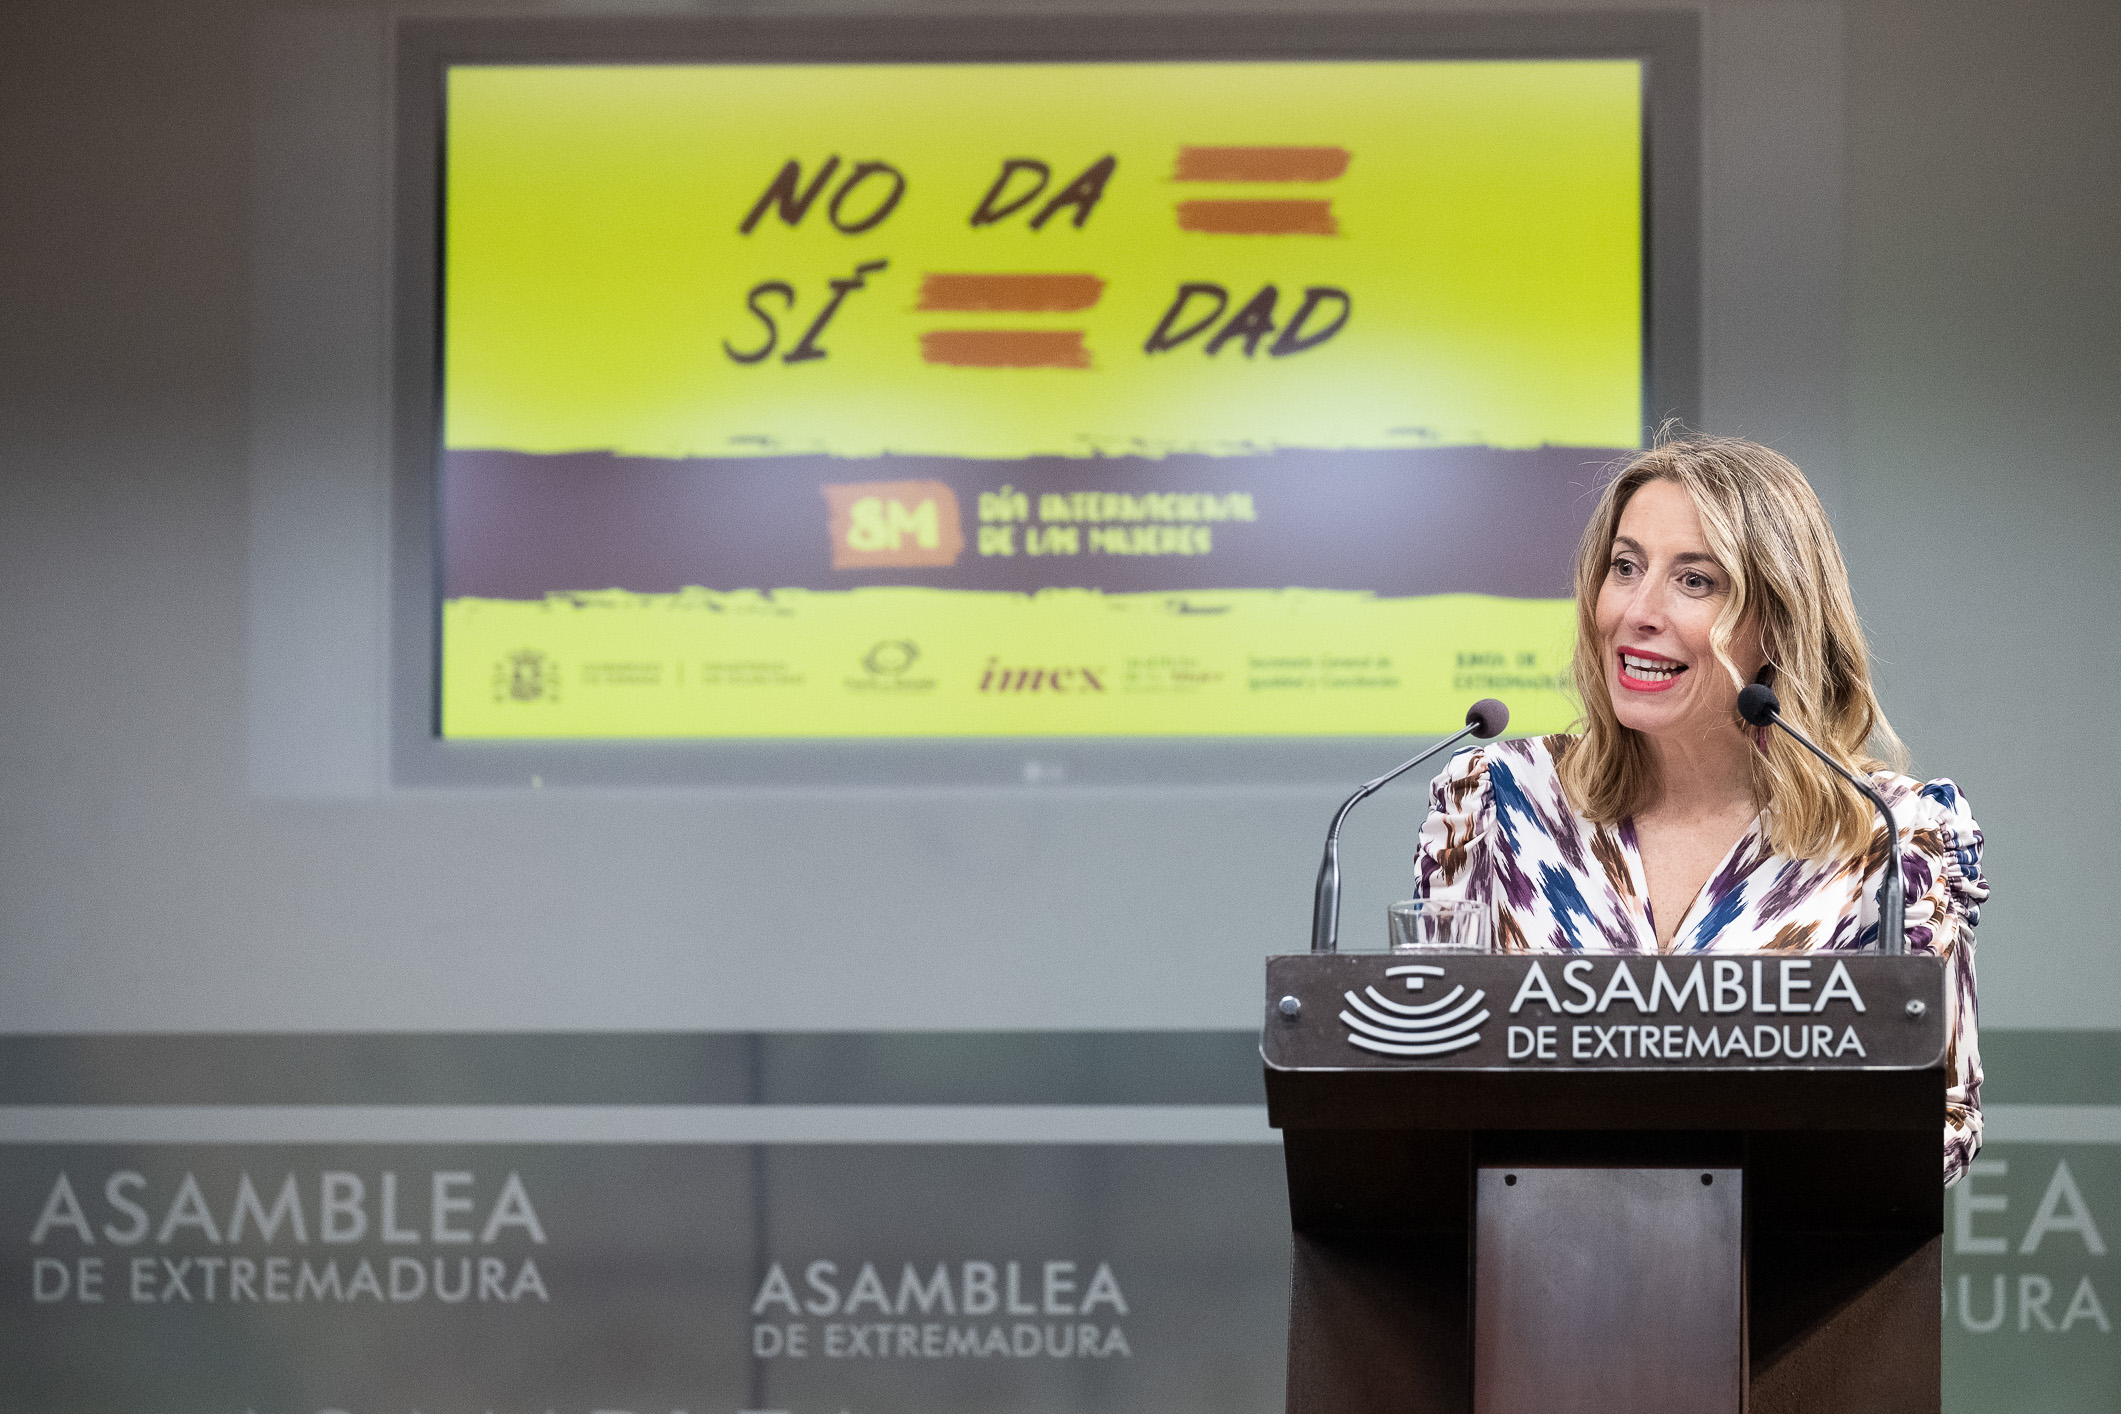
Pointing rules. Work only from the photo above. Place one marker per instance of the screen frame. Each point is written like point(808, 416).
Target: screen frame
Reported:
point(1668, 44)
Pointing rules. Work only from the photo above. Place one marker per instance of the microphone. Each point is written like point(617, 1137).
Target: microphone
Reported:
point(1484, 719)
point(1759, 706)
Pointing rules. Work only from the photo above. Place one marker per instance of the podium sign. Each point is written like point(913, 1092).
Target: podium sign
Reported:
point(1554, 1011)
point(1565, 1183)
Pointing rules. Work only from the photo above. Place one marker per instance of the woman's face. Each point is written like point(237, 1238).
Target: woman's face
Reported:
point(1662, 593)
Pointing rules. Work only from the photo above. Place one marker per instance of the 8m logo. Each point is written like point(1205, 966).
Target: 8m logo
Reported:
point(893, 525)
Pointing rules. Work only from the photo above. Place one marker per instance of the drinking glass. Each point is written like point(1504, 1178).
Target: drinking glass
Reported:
point(1439, 925)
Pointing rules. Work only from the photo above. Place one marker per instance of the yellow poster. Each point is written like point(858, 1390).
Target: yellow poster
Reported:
point(1173, 399)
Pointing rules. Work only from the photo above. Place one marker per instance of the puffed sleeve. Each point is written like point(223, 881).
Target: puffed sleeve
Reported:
point(1941, 868)
point(1452, 861)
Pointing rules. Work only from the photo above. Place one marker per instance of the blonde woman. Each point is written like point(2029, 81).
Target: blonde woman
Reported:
point(1667, 824)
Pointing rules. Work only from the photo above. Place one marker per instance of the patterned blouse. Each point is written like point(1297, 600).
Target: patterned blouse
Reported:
point(1500, 829)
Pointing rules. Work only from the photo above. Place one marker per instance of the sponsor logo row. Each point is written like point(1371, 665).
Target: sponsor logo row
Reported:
point(533, 677)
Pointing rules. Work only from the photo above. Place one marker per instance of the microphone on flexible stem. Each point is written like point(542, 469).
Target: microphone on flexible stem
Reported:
point(1484, 719)
point(1759, 706)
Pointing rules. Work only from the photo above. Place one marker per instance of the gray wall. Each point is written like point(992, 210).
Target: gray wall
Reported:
point(1911, 268)
point(1984, 444)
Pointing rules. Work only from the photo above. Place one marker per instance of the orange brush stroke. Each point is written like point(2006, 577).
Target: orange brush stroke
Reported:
point(1022, 294)
point(1258, 218)
point(1260, 164)
point(1006, 348)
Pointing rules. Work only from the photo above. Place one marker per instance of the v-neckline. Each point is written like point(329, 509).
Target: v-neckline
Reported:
point(1639, 873)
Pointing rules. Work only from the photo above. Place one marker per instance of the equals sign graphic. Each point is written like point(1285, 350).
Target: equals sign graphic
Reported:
point(1254, 216)
point(1007, 294)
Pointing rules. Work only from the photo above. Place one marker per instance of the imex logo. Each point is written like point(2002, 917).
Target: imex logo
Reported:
point(1061, 680)
point(893, 524)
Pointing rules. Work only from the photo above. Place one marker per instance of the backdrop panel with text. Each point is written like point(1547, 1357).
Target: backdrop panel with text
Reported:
point(1088, 399)
point(810, 1279)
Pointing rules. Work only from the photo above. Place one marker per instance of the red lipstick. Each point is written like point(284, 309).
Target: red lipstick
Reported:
point(1641, 670)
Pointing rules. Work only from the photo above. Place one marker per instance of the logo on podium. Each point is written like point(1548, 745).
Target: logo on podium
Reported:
point(1450, 1023)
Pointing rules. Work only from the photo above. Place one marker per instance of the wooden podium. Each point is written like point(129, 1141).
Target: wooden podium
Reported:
point(1560, 1183)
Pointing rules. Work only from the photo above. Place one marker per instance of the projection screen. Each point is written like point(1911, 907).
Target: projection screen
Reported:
point(1013, 391)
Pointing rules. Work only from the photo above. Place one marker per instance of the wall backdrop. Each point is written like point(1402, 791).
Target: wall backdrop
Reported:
point(319, 1091)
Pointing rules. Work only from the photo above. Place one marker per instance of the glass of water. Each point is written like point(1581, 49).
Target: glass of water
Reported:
point(1440, 925)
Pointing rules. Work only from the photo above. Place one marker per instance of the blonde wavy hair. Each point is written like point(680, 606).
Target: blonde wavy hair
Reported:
point(1767, 530)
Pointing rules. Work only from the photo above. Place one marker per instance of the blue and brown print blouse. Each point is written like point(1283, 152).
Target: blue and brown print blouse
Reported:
point(1501, 829)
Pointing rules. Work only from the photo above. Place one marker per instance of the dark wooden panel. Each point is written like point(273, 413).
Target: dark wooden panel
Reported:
point(1378, 1325)
point(1795, 1099)
point(1879, 1181)
point(1842, 1321)
point(1378, 1182)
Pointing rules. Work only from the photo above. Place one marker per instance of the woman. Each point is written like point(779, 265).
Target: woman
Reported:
point(1668, 825)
